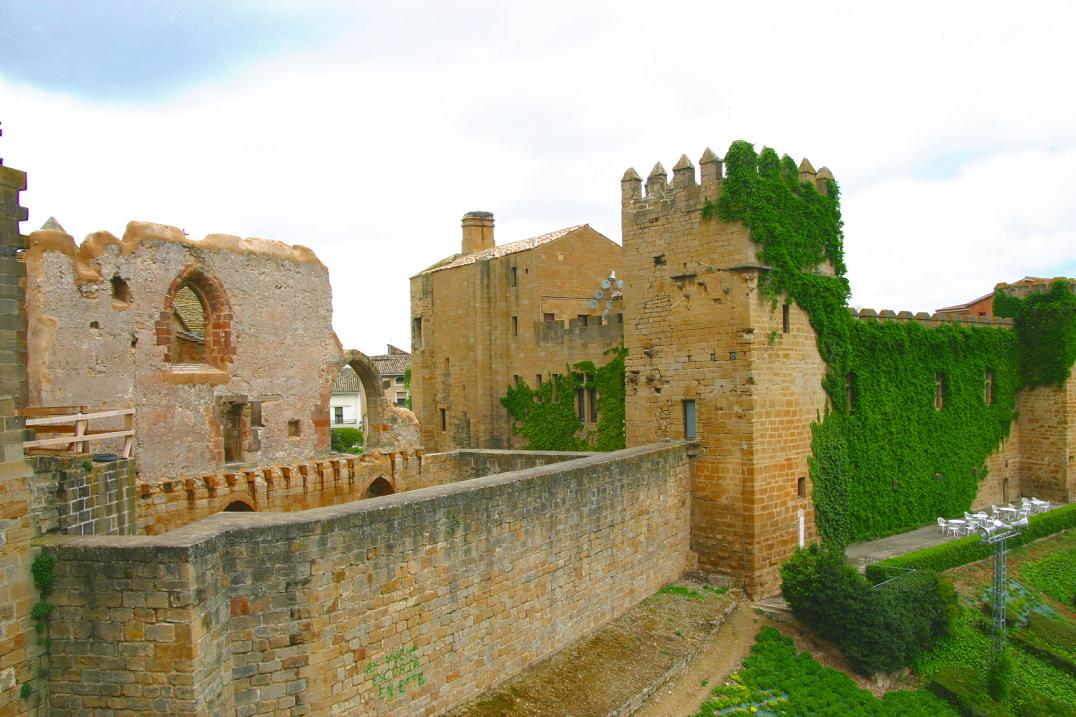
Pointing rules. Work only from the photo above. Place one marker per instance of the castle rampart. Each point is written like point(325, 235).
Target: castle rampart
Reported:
point(399, 605)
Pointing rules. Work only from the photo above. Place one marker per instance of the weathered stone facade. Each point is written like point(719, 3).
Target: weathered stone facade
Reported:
point(102, 333)
point(492, 313)
point(702, 340)
point(75, 496)
point(402, 606)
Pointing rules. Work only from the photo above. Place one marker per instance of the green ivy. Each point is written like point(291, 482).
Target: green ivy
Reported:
point(546, 415)
point(1046, 327)
point(889, 461)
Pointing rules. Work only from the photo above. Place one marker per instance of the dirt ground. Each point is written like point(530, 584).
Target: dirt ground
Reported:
point(604, 671)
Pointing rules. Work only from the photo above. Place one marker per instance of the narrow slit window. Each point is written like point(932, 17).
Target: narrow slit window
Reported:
point(801, 487)
point(592, 396)
point(689, 420)
point(515, 326)
point(785, 309)
point(513, 277)
point(416, 332)
point(444, 421)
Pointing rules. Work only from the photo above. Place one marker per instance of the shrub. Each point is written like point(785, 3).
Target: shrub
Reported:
point(879, 628)
point(971, 548)
point(347, 440)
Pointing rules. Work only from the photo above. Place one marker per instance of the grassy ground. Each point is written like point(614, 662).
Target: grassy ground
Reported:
point(1041, 632)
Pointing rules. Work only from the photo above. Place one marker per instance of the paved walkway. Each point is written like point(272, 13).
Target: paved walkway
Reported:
point(874, 550)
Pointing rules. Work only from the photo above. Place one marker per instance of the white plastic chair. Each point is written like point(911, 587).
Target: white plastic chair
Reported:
point(953, 530)
point(941, 525)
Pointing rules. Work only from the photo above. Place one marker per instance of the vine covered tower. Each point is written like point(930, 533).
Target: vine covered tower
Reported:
point(711, 358)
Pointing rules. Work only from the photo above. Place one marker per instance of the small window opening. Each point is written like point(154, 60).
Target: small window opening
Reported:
point(581, 404)
point(515, 326)
point(121, 292)
point(95, 325)
point(785, 309)
point(188, 326)
point(659, 260)
point(939, 391)
point(513, 277)
point(416, 332)
point(444, 421)
point(988, 388)
point(549, 318)
point(592, 396)
point(447, 365)
point(538, 388)
point(850, 392)
point(583, 318)
point(801, 487)
point(294, 428)
point(516, 378)
point(732, 355)
point(554, 378)
point(689, 419)
point(338, 415)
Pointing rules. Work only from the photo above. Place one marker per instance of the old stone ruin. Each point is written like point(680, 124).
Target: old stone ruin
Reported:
point(227, 563)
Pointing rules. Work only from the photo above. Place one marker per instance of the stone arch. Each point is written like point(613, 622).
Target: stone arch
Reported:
point(219, 343)
point(379, 487)
point(239, 505)
point(373, 408)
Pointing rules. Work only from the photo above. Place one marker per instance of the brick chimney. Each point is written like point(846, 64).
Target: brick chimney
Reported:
point(477, 232)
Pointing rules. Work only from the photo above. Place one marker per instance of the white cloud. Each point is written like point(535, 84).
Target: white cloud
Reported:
point(951, 129)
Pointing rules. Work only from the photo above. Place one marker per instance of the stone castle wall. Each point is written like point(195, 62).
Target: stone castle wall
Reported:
point(479, 330)
point(99, 323)
point(697, 328)
point(71, 500)
point(400, 605)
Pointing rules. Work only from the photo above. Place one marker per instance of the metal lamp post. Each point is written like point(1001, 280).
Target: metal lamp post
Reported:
point(997, 534)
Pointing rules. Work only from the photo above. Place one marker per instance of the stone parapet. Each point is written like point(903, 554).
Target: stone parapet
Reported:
point(402, 605)
point(929, 320)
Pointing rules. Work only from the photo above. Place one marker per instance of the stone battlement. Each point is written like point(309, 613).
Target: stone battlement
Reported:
point(930, 320)
point(593, 331)
point(712, 173)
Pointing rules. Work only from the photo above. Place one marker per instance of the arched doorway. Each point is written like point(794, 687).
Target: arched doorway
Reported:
point(238, 506)
point(378, 488)
point(373, 403)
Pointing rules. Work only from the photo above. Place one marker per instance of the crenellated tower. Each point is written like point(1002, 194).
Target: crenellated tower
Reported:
point(711, 358)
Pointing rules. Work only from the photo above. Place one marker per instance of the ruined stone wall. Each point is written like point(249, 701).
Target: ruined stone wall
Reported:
point(99, 323)
point(698, 329)
point(19, 650)
point(402, 605)
point(490, 330)
point(71, 500)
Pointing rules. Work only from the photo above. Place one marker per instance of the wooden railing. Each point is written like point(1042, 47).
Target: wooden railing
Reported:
point(69, 427)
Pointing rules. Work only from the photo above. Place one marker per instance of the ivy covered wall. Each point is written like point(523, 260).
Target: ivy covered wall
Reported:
point(915, 411)
point(546, 415)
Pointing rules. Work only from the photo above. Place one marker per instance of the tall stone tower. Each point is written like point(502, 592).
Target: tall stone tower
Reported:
point(18, 643)
point(711, 358)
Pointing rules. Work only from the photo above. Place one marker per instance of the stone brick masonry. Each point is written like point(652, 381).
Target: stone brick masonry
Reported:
point(402, 605)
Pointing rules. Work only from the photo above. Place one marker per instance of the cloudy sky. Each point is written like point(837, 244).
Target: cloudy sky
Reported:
point(365, 130)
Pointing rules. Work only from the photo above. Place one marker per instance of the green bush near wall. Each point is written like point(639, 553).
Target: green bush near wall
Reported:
point(879, 628)
point(546, 415)
point(969, 549)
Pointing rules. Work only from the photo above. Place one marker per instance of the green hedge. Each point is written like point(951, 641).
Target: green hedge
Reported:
point(879, 628)
point(969, 549)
